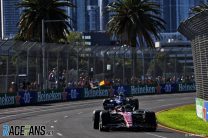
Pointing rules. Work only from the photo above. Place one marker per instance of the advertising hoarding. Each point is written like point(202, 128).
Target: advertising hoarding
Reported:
point(206, 110)
point(199, 107)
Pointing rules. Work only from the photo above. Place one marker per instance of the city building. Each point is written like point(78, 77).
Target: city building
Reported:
point(175, 11)
point(172, 42)
point(9, 18)
point(0, 21)
point(91, 15)
point(179, 50)
point(97, 39)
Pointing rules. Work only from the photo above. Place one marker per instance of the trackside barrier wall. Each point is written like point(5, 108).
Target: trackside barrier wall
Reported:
point(23, 98)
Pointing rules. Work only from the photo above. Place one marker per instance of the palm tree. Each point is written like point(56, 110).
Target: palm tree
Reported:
point(135, 22)
point(34, 11)
point(199, 8)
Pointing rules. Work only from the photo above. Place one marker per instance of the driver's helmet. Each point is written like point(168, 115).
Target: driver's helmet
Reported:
point(121, 96)
point(128, 108)
point(120, 108)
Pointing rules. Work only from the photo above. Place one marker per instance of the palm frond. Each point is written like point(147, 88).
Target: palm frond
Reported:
point(199, 8)
point(33, 11)
point(135, 18)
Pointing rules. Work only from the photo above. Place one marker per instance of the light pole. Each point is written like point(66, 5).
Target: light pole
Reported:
point(43, 53)
point(142, 52)
point(43, 47)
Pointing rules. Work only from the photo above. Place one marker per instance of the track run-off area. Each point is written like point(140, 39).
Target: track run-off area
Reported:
point(74, 119)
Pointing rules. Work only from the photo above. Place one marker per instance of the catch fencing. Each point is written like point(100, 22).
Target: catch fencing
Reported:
point(23, 65)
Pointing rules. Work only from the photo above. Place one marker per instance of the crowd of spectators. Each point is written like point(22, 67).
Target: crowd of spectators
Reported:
point(59, 80)
point(161, 80)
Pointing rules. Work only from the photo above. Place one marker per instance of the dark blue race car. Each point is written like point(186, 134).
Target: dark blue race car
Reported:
point(111, 103)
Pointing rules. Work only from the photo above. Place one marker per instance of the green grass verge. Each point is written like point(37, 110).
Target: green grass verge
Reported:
point(183, 118)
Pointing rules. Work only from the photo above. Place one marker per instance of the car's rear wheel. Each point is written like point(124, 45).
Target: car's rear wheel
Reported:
point(150, 118)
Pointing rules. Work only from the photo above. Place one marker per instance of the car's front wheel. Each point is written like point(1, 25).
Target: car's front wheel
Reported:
point(96, 119)
point(104, 120)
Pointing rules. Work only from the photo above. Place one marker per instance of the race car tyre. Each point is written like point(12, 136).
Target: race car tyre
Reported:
point(152, 129)
point(136, 104)
point(151, 120)
point(104, 120)
point(96, 118)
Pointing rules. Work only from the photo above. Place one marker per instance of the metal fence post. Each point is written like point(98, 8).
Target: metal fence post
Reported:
point(143, 63)
point(104, 66)
point(78, 65)
point(43, 53)
point(7, 71)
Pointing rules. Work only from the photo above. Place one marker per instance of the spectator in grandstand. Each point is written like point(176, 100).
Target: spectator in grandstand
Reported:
point(13, 87)
point(52, 79)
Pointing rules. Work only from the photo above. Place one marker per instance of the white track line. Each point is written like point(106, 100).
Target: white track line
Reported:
point(161, 100)
point(55, 121)
point(155, 135)
point(34, 112)
point(168, 105)
point(59, 134)
point(32, 109)
point(79, 113)
point(67, 107)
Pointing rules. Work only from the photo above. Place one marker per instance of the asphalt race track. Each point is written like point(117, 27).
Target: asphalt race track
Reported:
point(74, 119)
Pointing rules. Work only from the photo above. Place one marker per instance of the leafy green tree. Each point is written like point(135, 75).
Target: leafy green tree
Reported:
point(135, 21)
point(34, 11)
point(73, 37)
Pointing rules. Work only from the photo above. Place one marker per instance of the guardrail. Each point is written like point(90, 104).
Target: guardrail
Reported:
point(23, 98)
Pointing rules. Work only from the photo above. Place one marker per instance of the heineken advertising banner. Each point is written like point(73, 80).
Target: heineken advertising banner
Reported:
point(27, 97)
point(35, 97)
point(9, 99)
point(199, 107)
point(186, 87)
point(168, 88)
point(206, 110)
point(126, 90)
point(72, 94)
point(49, 96)
point(95, 93)
point(143, 89)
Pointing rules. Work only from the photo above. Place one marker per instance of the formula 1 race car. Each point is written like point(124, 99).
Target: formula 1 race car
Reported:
point(124, 117)
point(111, 103)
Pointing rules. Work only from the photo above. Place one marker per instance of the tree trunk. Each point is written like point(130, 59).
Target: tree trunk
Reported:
point(134, 58)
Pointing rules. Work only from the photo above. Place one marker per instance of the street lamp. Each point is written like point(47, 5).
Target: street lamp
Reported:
point(43, 47)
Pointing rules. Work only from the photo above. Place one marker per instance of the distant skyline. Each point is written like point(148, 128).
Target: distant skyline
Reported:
point(9, 17)
point(88, 16)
